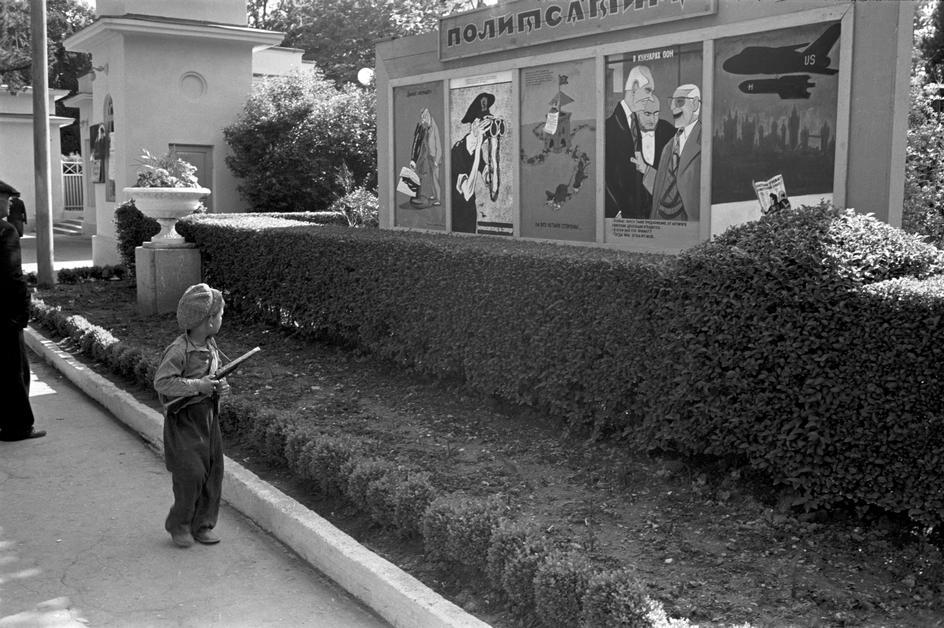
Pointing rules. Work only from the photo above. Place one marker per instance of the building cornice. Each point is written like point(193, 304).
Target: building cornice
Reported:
point(27, 118)
point(57, 94)
point(92, 36)
point(78, 99)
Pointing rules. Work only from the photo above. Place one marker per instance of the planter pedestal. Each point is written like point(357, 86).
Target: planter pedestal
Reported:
point(167, 265)
point(163, 274)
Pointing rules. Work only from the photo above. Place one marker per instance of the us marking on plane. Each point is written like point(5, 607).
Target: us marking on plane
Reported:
point(810, 58)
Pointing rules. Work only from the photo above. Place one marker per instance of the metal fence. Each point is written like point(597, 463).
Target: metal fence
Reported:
point(73, 183)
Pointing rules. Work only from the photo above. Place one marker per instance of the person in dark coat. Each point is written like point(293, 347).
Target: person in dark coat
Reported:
point(17, 216)
point(193, 444)
point(16, 414)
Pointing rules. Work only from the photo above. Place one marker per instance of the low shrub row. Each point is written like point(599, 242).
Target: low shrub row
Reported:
point(800, 345)
point(543, 578)
point(97, 343)
point(85, 273)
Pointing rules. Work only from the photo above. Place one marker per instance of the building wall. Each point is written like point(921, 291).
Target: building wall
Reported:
point(109, 56)
point(188, 98)
point(17, 165)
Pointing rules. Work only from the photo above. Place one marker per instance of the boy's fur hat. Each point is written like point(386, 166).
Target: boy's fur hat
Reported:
point(196, 304)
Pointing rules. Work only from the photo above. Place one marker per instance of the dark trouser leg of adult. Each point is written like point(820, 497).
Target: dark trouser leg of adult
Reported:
point(16, 419)
point(193, 453)
point(19, 226)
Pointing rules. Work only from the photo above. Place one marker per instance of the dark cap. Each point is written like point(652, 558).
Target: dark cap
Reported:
point(6, 188)
point(479, 108)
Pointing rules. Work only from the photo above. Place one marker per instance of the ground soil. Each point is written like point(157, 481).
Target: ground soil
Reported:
point(711, 544)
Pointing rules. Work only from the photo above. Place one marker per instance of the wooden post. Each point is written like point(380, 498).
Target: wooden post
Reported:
point(40, 75)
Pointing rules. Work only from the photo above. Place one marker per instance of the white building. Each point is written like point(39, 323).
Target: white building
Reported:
point(16, 159)
point(167, 74)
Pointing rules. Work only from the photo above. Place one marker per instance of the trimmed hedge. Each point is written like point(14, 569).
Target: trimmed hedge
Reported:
point(563, 329)
point(796, 344)
point(776, 345)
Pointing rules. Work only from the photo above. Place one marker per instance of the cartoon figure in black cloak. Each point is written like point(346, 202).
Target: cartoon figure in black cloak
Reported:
point(476, 153)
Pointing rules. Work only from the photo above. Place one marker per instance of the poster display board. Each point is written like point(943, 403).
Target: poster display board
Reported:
point(652, 140)
point(558, 147)
point(481, 185)
point(775, 112)
point(419, 156)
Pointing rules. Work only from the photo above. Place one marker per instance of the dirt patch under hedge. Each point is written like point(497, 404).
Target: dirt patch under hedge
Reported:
point(710, 544)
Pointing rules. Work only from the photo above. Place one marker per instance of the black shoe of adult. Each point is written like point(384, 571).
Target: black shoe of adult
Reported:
point(9, 438)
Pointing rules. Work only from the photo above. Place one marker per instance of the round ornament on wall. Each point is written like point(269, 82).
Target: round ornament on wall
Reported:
point(192, 85)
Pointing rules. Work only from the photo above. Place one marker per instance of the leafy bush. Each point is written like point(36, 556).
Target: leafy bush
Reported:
point(783, 345)
point(359, 207)
point(615, 598)
point(294, 136)
point(458, 529)
point(518, 576)
point(923, 210)
point(560, 583)
point(508, 538)
point(411, 498)
point(363, 471)
point(86, 273)
point(132, 228)
point(327, 459)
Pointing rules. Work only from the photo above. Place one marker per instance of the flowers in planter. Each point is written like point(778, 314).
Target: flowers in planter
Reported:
point(165, 171)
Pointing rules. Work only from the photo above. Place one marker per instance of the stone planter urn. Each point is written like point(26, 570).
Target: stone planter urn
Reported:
point(167, 206)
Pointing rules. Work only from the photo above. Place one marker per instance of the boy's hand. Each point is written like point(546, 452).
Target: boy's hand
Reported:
point(222, 388)
point(206, 386)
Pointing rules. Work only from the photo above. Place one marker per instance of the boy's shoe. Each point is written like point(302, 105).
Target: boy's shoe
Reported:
point(182, 538)
point(206, 536)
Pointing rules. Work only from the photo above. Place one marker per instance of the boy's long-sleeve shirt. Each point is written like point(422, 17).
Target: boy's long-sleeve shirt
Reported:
point(182, 366)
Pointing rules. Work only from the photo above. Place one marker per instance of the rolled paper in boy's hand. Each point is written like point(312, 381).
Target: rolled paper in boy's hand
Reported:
point(180, 402)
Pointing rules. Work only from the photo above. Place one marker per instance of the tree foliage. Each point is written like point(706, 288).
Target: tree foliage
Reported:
point(339, 35)
point(63, 18)
point(923, 210)
point(301, 143)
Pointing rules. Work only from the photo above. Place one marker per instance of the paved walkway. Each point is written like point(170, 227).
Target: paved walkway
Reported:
point(82, 540)
point(68, 251)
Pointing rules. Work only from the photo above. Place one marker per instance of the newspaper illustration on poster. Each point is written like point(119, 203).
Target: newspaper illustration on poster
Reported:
point(772, 195)
point(419, 154)
point(652, 148)
point(481, 185)
point(558, 137)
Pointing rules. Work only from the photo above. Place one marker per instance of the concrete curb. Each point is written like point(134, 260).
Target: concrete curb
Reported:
point(392, 593)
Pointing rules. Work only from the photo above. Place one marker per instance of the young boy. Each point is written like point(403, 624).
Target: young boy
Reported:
point(193, 447)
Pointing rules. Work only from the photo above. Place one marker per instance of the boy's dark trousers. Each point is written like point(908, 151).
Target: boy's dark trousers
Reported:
point(193, 453)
